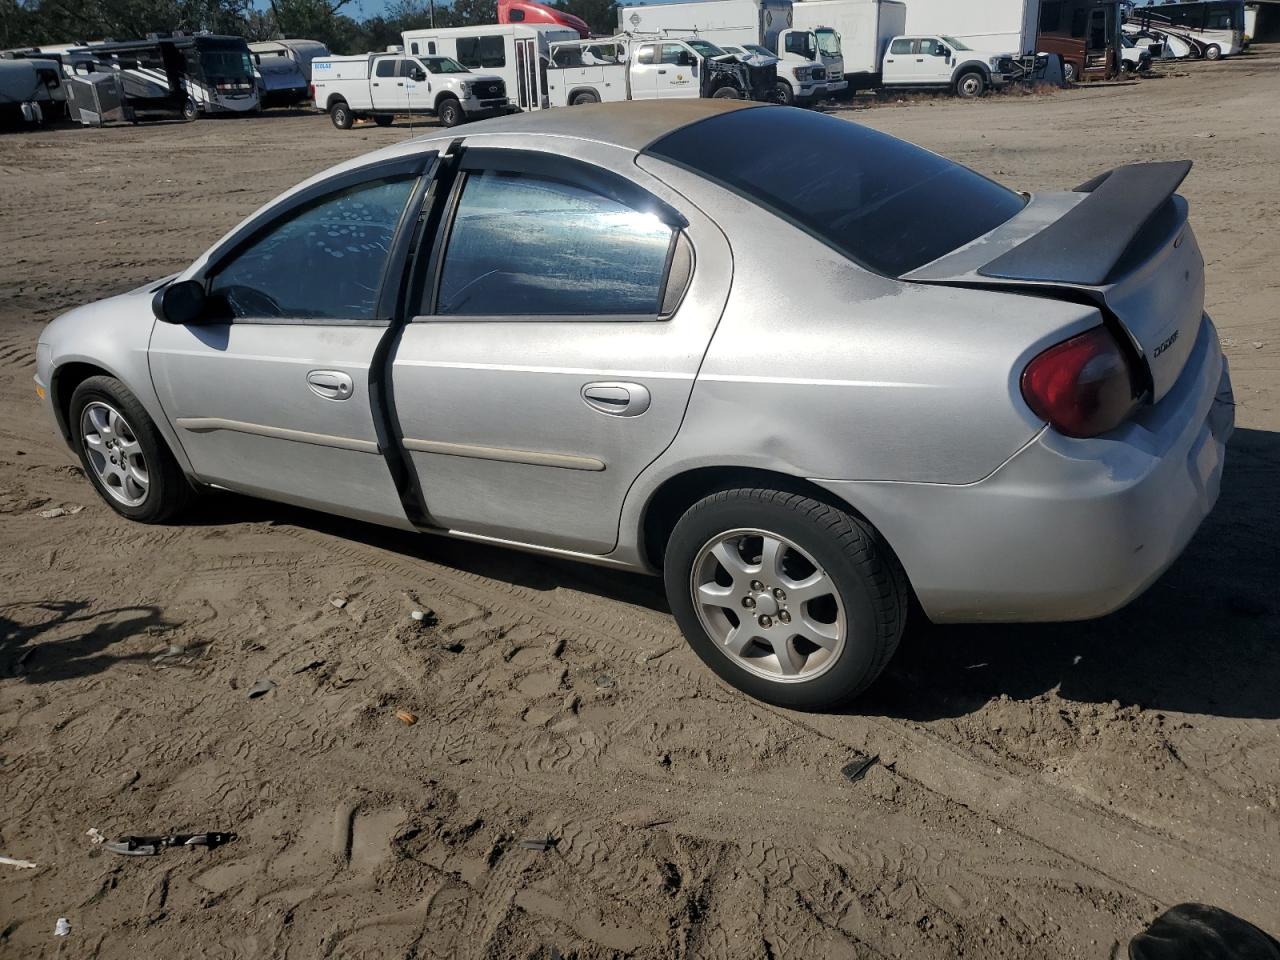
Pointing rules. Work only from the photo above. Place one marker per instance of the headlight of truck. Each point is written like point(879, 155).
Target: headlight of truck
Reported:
point(466, 89)
point(994, 63)
point(800, 73)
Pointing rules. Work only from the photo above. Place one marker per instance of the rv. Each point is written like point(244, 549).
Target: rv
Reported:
point(301, 52)
point(811, 62)
point(863, 29)
point(281, 82)
point(1213, 28)
point(519, 55)
point(31, 90)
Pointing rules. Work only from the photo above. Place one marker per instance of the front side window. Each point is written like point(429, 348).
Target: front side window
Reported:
point(482, 52)
point(801, 43)
point(930, 47)
point(527, 245)
point(323, 262)
point(673, 53)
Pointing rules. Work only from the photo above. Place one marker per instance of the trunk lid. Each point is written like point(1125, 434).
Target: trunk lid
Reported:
point(1121, 241)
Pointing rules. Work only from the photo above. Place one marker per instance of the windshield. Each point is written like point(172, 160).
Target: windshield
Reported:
point(888, 206)
point(829, 43)
point(706, 48)
point(757, 49)
point(225, 63)
point(954, 43)
point(443, 65)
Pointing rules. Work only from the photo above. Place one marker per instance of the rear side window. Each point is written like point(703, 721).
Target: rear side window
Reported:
point(481, 52)
point(386, 68)
point(525, 245)
point(885, 204)
point(900, 47)
point(646, 54)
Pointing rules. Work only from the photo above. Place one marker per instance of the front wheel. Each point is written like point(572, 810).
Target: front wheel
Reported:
point(726, 93)
point(791, 600)
point(1213, 52)
point(450, 112)
point(1069, 72)
point(341, 116)
point(784, 94)
point(190, 111)
point(124, 454)
point(970, 85)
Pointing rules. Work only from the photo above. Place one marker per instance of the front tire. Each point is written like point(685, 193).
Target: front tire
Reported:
point(970, 85)
point(123, 453)
point(1069, 71)
point(190, 111)
point(341, 116)
point(726, 93)
point(1213, 52)
point(785, 95)
point(791, 600)
point(450, 112)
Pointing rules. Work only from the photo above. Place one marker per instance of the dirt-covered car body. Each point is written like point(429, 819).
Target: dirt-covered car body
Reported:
point(562, 330)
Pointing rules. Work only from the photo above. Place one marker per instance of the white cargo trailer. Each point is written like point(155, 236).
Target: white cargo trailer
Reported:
point(865, 28)
point(982, 24)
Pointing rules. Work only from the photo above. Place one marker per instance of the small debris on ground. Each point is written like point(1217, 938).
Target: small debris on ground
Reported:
point(95, 835)
point(857, 768)
point(261, 688)
point(309, 665)
point(605, 682)
point(546, 843)
point(407, 718)
point(424, 617)
point(152, 846)
point(60, 512)
point(20, 864)
point(338, 602)
point(62, 927)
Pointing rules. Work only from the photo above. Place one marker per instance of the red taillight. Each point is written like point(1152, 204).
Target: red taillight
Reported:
point(1081, 386)
point(311, 89)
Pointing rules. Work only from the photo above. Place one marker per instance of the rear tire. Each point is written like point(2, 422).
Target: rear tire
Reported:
point(450, 112)
point(129, 464)
point(970, 85)
point(727, 93)
point(834, 579)
point(341, 116)
point(582, 99)
point(383, 120)
point(190, 111)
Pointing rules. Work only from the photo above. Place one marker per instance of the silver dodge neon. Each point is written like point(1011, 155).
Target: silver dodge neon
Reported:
point(805, 371)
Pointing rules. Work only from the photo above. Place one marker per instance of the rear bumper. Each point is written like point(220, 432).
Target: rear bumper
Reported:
point(1065, 529)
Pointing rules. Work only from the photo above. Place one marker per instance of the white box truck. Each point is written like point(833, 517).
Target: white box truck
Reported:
point(980, 24)
point(519, 54)
point(382, 85)
point(811, 64)
point(864, 29)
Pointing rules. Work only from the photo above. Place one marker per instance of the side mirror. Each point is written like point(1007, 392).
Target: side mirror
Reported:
point(685, 60)
point(419, 76)
point(181, 303)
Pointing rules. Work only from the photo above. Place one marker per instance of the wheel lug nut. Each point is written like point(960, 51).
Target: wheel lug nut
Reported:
point(766, 622)
point(757, 585)
point(784, 616)
point(778, 594)
point(748, 602)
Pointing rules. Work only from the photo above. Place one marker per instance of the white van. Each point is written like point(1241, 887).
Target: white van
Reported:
point(519, 54)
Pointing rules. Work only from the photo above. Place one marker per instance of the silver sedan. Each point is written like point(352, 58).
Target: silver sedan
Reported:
point(808, 373)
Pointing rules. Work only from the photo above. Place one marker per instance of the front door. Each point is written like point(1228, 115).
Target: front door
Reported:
point(932, 61)
point(677, 72)
point(272, 394)
point(553, 348)
point(419, 97)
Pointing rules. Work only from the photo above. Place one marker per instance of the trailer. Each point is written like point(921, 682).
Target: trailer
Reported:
point(864, 29)
point(300, 51)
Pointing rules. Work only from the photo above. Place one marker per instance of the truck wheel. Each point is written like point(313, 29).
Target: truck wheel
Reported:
point(341, 116)
point(190, 111)
point(970, 85)
point(727, 93)
point(383, 120)
point(450, 112)
point(585, 97)
point(785, 95)
point(1069, 71)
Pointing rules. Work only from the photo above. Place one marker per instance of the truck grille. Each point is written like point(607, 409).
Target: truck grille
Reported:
point(490, 89)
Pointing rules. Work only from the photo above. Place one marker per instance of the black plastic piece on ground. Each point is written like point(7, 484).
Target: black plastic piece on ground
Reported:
point(857, 769)
point(1194, 931)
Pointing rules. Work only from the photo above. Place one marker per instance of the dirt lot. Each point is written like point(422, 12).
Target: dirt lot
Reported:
point(1041, 791)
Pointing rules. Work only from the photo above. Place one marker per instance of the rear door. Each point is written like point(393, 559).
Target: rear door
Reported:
point(386, 86)
point(899, 62)
point(555, 335)
point(644, 72)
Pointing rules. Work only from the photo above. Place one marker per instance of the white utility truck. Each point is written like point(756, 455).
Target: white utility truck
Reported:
point(940, 61)
point(653, 68)
point(811, 65)
point(519, 54)
point(382, 85)
point(863, 28)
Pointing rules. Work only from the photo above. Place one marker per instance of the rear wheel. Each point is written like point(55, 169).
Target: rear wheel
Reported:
point(1213, 52)
point(341, 116)
point(123, 453)
point(450, 112)
point(583, 98)
point(383, 120)
point(727, 93)
point(789, 599)
point(189, 110)
point(970, 85)
point(785, 95)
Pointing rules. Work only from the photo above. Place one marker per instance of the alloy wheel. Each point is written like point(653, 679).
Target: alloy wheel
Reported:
point(114, 453)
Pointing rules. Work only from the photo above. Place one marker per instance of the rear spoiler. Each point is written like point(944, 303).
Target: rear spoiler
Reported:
point(1084, 245)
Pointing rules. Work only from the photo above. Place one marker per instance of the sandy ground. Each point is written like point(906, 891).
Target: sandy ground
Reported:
point(1041, 791)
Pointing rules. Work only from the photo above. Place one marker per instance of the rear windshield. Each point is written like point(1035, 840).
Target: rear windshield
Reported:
point(884, 203)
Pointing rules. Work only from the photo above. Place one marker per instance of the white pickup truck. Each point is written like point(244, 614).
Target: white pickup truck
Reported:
point(382, 85)
point(938, 61)
point(652, 68)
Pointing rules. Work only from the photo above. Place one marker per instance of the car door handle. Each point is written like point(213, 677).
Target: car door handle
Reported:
point(617, 398)
point(330, 384)
point(662, 71)
point(919, 59)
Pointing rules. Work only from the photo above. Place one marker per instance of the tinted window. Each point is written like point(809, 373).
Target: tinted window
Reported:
point(885, 204)
point(386, 68)
point(324, 262)
point(1050, 15)
point(799, 43)
point(481, 52)
point(900, 47)
point(526, 245)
